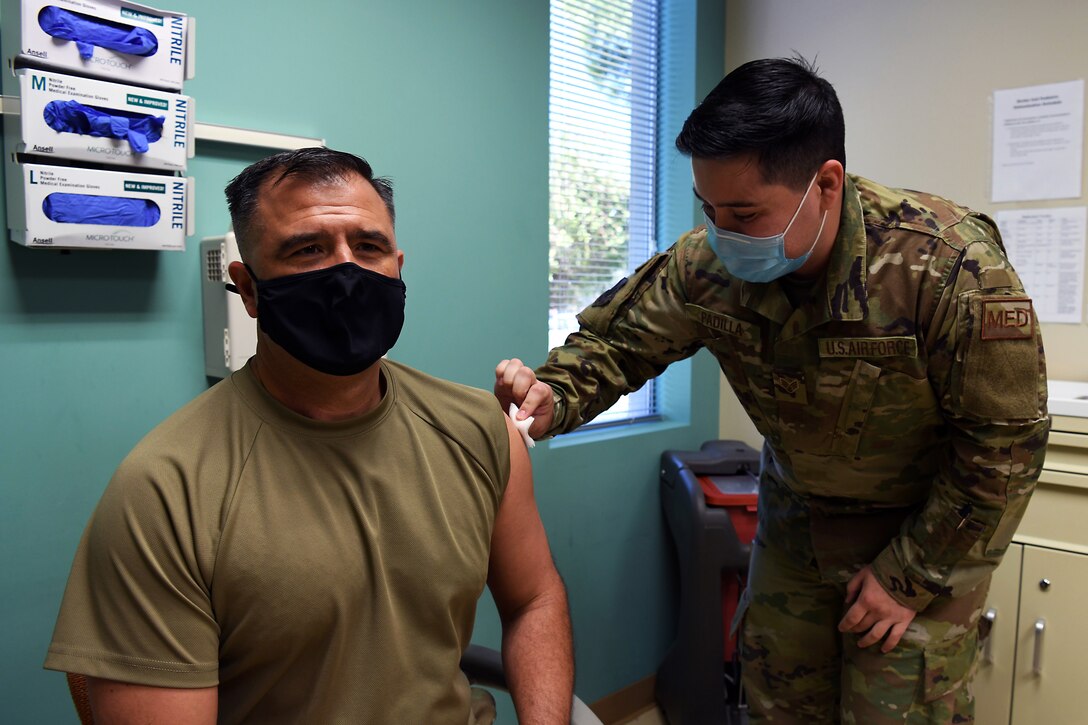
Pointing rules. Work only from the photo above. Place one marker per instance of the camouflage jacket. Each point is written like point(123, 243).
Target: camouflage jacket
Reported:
point(913, 377)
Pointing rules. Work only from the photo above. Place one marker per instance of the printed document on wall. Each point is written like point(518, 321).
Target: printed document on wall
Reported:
point(1046, 247)
point(1038, 138)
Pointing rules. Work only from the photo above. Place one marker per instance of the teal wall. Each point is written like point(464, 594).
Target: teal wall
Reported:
point(450, 100)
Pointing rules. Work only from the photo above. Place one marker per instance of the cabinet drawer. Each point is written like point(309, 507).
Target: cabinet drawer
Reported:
point(1067, 453)
point(1058, 511)
point(1069, 424)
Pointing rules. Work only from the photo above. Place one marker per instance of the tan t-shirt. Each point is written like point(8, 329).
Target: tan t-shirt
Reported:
point(316, 572)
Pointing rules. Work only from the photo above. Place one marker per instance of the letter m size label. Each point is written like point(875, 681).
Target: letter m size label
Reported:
point(1007, 318)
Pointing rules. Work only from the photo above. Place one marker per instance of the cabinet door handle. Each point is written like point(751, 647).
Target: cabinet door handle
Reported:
point(1037, 661)
point(988, 648)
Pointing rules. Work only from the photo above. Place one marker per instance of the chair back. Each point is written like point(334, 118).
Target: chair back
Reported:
point(77, 685)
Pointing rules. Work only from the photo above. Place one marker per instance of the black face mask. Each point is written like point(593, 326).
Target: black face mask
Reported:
point(338, 320)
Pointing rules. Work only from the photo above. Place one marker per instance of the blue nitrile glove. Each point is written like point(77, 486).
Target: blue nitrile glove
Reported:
point(106, 210)
point(73, 117)
point(88, 31)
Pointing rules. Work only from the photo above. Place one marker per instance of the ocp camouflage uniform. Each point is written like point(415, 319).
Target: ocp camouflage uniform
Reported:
point(903, 407)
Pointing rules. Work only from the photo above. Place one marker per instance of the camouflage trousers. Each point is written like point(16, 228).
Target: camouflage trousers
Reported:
point(798, 668)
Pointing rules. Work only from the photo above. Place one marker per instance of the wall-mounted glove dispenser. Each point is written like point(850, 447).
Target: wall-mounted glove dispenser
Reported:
point(69, 207)
point(110, 39)
point(89, 120)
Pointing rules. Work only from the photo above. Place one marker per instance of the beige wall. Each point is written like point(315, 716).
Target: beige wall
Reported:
point(916, 79)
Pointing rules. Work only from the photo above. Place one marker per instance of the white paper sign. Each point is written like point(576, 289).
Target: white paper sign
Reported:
point(1046, 247)
point(1038, 142)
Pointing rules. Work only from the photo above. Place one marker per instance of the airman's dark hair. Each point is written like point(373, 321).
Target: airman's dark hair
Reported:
point(778, 109)
point(317, 164)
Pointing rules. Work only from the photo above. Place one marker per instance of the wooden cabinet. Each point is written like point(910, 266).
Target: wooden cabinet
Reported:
point(1030, 669)
point(1051, 639)
point(993, 683)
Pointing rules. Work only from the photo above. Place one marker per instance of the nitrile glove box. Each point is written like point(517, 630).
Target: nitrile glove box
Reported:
point(29, 185)
point(169, 38)
point(29, 132)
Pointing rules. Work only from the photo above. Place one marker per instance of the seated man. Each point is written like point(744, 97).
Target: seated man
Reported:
point(306, 541)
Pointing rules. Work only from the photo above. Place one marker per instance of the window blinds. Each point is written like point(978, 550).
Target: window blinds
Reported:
point(602, 124)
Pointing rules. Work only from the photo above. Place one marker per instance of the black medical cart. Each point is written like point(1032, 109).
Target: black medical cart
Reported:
point(709, 501)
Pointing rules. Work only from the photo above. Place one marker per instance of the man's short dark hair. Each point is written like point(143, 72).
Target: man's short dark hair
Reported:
point(317, 165)
point(778, 109)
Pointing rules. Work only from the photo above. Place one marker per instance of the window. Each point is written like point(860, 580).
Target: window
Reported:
point(602, 127)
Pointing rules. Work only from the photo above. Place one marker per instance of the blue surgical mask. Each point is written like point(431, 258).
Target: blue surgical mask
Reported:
point(759, 259)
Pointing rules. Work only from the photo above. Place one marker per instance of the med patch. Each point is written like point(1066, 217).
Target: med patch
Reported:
point(1007, 318)
point(999, 372)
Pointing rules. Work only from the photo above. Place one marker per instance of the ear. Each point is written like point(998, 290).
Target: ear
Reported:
point(400, 260)
point(829, 182)
point(830, 178)
point(247, 289)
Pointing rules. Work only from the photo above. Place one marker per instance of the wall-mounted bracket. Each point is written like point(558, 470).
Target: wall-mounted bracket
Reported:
point(218, 134)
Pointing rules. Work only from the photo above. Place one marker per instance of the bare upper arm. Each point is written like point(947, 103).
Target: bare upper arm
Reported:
point(124, 703)
point(521, 570)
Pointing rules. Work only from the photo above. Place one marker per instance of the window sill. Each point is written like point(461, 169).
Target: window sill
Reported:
point(614, 432)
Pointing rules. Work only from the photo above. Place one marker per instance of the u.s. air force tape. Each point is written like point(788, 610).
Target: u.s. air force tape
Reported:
point(868, 347)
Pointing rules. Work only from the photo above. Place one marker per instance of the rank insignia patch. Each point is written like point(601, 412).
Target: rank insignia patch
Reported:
point(789, 388)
